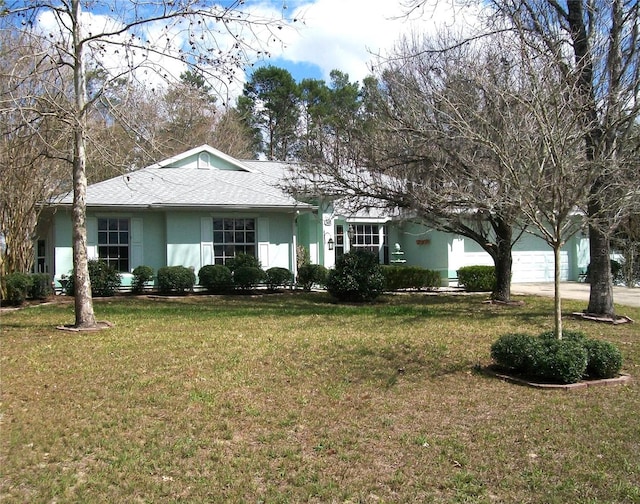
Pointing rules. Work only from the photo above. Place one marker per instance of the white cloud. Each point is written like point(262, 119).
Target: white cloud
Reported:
point(347, 34)
point(328, 34)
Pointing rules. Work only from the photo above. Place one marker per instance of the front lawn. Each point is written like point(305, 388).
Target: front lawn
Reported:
point(292, 398)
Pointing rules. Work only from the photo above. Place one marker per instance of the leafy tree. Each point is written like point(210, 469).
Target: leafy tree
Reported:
point(314, 101)
point(269, 105)
point(626, 241)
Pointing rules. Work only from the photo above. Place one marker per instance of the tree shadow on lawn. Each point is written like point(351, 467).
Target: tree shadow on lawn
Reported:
point(297, 303)
point(405, 308)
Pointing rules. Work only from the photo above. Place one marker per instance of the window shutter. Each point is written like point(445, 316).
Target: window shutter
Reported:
point(263, 242)
point(206, 241)
point(92, 238)
point(136, 253)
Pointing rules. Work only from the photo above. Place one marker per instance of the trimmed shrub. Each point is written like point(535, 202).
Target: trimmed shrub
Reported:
point(357, 277)
point(311, 274)
point(141, 275)
point(605, 359)
point(247, 277)
point(563, 361)
point(16, 286)
point(216, 278)
point(410, 277)
point(516, 352)
point(176, 279)
point(243, 260)
point(40, 286)
point(105, 279)
point(567, 334)
point(66, 282)
point(278, 277)
point(477, 278)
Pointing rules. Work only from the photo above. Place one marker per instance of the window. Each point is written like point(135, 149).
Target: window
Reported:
point(339, 248)
point(41, 257)
point(113, 242)
point(371, 237)
point(233, 236)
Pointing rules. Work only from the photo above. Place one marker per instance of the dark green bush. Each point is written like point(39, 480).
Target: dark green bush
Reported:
point(141, 275)
point(247, 277)
point(66, 281)
point(516, 352)
point(310, 274)
point(567, 334)
point(617, 274)
point(605, 359)
point(216, 278)
point(241, 261)
point(410, 277)
point(356, 277)
point(40, 286)
point(562, 361)
point(278, 277)
point(477, 278)
point(175, 279)
point(16, 286)
point(105, 279)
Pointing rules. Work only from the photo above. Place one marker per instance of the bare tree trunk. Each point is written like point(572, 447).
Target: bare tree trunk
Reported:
point(557, 304)
point(503, 261)
point(601, 290)
point(85, 317)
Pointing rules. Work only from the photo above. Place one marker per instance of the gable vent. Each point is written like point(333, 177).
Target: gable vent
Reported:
point(204, 161)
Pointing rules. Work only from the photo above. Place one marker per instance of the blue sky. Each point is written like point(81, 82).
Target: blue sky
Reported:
point(347, 34)
point(327, 34)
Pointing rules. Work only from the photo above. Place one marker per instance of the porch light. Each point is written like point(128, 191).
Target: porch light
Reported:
point(330, 243)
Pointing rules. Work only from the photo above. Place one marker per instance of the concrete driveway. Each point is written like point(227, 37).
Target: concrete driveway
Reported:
point(576, 290)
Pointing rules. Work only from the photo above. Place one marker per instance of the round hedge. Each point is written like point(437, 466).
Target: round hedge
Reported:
point(605, 359)
point(216, 278)
point(356, 277)
point(565, 360)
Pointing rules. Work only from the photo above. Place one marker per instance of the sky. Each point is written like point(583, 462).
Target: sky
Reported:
point(313, 38)
point(347, 35)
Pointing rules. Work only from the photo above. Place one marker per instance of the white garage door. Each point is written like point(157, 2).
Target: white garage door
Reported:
point(538, 266)
point(528, 266)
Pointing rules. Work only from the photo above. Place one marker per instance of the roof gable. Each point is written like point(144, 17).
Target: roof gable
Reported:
point(203, 177)
point(204, 157)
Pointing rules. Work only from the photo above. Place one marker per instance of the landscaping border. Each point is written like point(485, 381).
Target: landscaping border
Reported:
point(619, 380)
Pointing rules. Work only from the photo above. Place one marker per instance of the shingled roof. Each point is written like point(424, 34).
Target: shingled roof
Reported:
point(199, 178)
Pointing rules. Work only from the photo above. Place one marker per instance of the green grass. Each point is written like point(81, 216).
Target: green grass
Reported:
point(292, 398)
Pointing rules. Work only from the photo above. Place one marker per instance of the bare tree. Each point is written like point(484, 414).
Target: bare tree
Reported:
point(594, 45)
point(32, 139)
point(551, 177)
point(434, 139)
point(135, 38)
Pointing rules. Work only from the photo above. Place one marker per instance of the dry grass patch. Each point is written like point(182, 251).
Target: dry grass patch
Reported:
point(291, 398)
